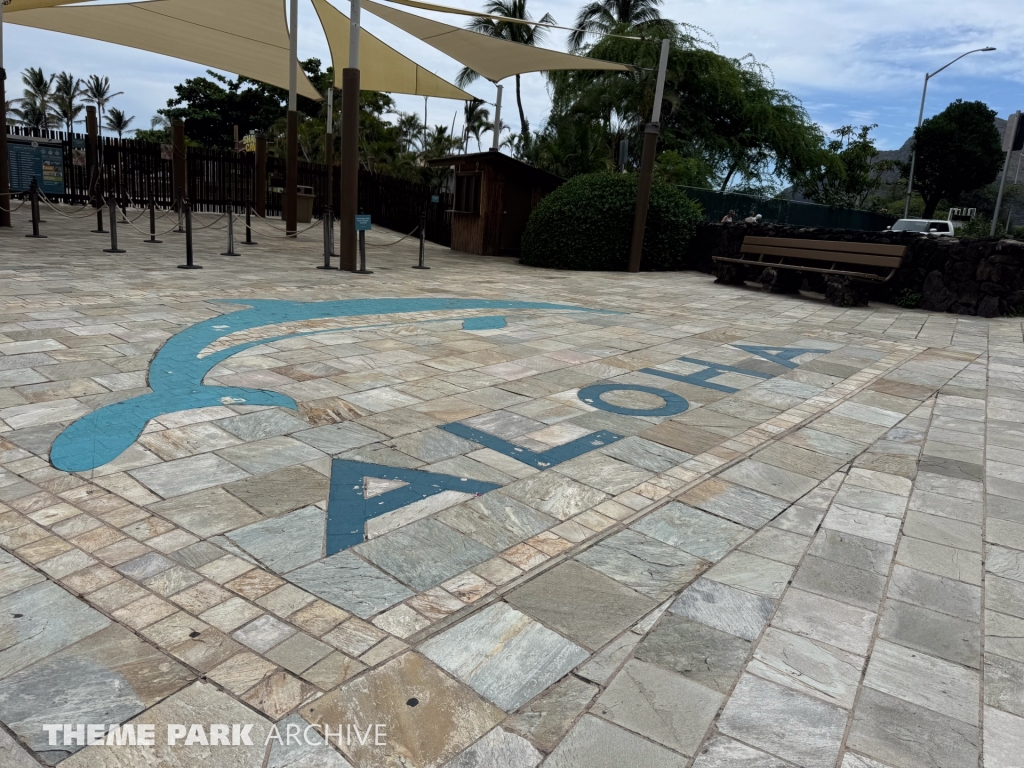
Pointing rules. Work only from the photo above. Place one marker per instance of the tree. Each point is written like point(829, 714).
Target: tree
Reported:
point(410, 129)
point(36, 108)
point(118, 121)
point(958, 150)
point(475, 121)
point(97, 90)
point(67, 90)
point(523, 34)
point(846, 171)
point(604, 16)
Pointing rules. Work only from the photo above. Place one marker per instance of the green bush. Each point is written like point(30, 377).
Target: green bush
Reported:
point(587, 223)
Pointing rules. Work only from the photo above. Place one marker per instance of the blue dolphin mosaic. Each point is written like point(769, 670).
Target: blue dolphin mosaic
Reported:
point(177, 372)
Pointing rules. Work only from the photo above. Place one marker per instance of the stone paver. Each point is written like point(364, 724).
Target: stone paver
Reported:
point(407, 513)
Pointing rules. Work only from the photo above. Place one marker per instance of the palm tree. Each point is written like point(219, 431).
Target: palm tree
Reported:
point(475, 121)
point(66, 91)
point(409, 127)
point(118, 121)
point(602, 16)
point(37, 107)
point(506, 30)
point(97, 90)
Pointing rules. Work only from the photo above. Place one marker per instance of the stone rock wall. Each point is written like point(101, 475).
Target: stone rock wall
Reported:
point(968, 276)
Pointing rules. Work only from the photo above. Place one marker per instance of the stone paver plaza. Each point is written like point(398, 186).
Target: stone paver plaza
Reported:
point(576, 520)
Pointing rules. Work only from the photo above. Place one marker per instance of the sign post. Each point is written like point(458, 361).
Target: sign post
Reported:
point(363, 224)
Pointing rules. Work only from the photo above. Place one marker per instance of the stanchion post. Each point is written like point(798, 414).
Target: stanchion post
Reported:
point(362, 255)
point(189, 264)
point(33, 192)
point(152, 216)
point(423, 241)
point(231, 230)
point(113, 228)
point(327, 240)
point(248, 225)
point(179, 206)
point(94, 167)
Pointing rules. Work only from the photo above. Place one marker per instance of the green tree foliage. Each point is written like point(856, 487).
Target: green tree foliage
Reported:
point(726, 112)
point(672, 168)
point(36, 108)
point(587, 223)
point(604, 16)
point(958, 150)
point(97, 91)
point(524, 34)
point(475, 120)
point(846, 171)
point(118, 122)
point(67, 90)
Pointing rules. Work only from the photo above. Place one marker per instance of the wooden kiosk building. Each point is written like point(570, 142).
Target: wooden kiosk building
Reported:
point(494, 196)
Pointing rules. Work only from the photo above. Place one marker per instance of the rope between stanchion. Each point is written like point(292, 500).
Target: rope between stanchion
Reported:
point(388, 245)
point(12, 210)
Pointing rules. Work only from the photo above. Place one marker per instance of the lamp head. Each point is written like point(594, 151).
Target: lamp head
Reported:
point(988, 48)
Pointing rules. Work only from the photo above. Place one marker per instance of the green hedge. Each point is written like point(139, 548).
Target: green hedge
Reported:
point(587, 223)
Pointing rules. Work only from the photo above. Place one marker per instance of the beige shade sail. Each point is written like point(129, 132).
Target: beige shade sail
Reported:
point(24, 5)
point(492, 58)
point(381, 67)
point(247, 37)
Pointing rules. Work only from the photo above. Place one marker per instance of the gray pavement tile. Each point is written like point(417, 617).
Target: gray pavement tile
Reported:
point(909, 735)
point(264, 633)
point(937, 634)
point(647, 565)
point(958, 564)
point(752, 573)
point(777, 544)
point(948, 486)
point(604, 473)
point(696, 651)
point(1004, 739)
point(270, 454)
point(769, 479)
point(1004, 684)
point(947, 688)
point(424, 553)
point(863, 524)
point(143, 567)
point(1005, 532)
point(287, 542)
point(504, 655)
point(596, 743)
point(826, 620)
point(799, 519)
point(800, 461)
point(813, 729)
point(722, 607)
point(39, 620)
point(1004, 595)
point(298, 653)
point(806, 666)
point(723, 752)
point(495, 520)
point(499, 747)
point(936, 593)
point(504, 424)
point(1004, 562)
point(547, 718)
point(207, 512)
point(840, 582)
point(734, 502)
point(432, 445)
point(870, 500)
point(350, 583)
point(181, 476)
point(281, 491)
point(646, 454)
point(337, 438)
point(947, 506)
point(261, 424)
point(849, 549)
point(15, 575)
point(663, 706)
point(940, 465)
point(302, 752)
point(692, 530)
point(555, 495)
point(825, 443)
point(464, 466)
point(586, 606)
point(1004, 635)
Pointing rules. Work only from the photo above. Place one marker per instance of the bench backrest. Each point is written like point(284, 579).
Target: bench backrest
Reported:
point(869, 254)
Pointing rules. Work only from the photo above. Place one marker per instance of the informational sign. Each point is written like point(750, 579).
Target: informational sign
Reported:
point(78, 152)
point(435, 198)
point(36, 158)
point(248, 142)
point(363, 222)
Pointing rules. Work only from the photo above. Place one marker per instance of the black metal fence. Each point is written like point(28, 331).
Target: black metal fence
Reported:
point(133, 169)
point(717, 204)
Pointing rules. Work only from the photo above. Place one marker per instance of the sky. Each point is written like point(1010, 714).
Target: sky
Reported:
point(849, 63)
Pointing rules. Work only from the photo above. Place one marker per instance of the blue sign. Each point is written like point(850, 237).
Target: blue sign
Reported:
point(36, 158)
point(363, 222)
point(435, 198)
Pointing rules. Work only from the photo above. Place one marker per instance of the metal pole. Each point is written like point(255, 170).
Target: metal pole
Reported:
point(362, 255)
point(231, 230)
point(5, 181)
point(179, 202)
point(33, 192)
point(112, 204)
point(1002, 182)
point(623, 154)
point(179, 167)
point(643, 190)
point(260, 175)
point(1009, 209)
point(329, 149)
point(189, 264)
point(497, 121)
point(248, 225)
point(913, 155)
point(349, 201)
point(423, 238)
point(152, 216)
point(328, 226)
point(291, 200)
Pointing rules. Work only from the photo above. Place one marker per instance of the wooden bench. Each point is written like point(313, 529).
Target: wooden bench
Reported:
point(859, 261)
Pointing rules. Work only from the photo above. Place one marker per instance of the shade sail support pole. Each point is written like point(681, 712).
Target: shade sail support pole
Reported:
point(496, 140)
point(349, 203)
point(643, 190)
point(5, 179)
point(291, 199)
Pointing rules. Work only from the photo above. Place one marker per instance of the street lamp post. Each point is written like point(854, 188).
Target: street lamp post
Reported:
point(920, 118)
point(5, 193)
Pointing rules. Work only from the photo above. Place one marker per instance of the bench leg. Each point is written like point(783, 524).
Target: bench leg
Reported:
point(781, 280)
point(730, 274)
point(842, 291)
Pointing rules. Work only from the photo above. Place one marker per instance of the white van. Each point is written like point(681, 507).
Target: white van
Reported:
point(924, 226)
